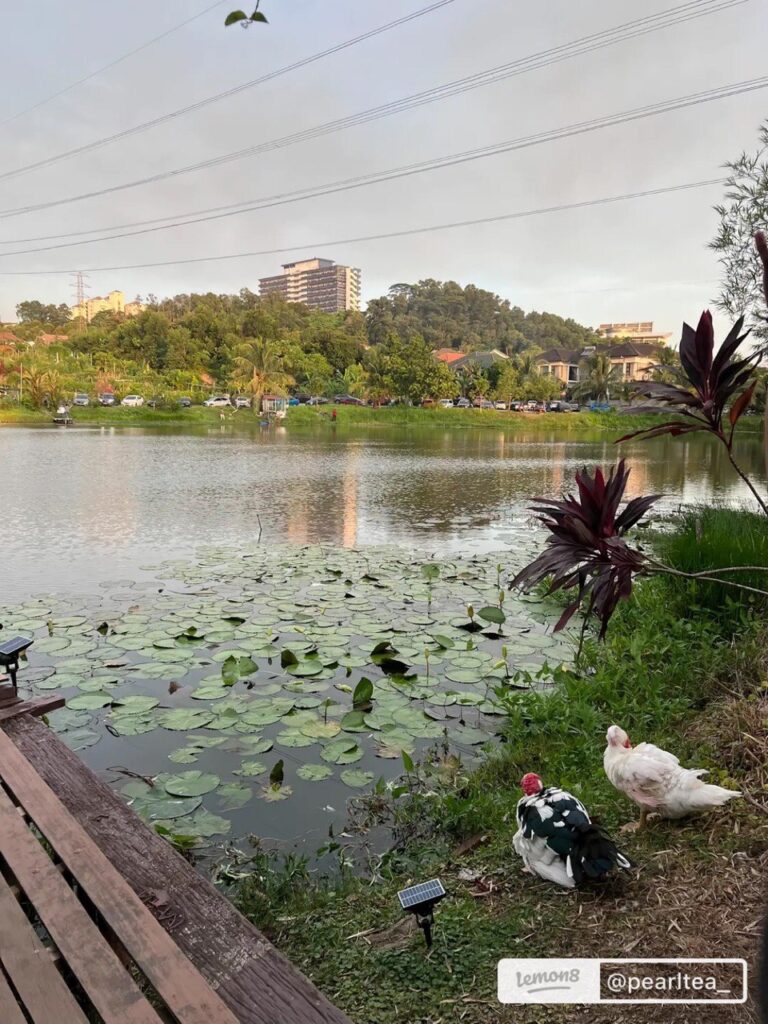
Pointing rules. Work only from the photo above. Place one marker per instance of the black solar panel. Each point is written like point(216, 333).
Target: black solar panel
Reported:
point(425, 892)
point(14, 646)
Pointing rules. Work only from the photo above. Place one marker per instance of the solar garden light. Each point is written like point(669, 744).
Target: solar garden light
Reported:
point(10, 651)
point(420, 900)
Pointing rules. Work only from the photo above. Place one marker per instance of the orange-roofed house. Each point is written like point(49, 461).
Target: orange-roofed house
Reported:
point(448, 355)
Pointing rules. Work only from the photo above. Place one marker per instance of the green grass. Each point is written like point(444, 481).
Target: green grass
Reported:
point(11, 415)
point(706, 537)
point(304, 417)
point(661, 666)
point(398, 415)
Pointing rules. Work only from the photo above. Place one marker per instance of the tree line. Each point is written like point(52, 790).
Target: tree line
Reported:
point(259, 344)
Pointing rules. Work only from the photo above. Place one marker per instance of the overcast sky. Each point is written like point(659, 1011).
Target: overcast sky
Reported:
point(642, 259)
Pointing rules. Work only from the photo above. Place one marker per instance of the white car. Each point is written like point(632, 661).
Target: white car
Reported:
point(218, 402)
point(242, 403)
point(501, 406)
point(446, 403)
point(134, 401)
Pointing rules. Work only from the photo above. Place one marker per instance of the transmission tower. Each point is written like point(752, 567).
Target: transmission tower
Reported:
point(78, 289)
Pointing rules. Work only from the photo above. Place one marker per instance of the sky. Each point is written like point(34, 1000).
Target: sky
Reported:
point(642, 259)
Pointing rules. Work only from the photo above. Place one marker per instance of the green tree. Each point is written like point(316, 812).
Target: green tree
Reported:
point(260, 369)
point(743, 212)
point(598, 378)
point(51, 315)
point(509, 384)
point(355, 380)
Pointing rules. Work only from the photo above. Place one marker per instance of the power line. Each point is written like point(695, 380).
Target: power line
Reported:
point(690, 11)
point(277, 73)
point(106, 67)
point(438, 163)
point(494, 219)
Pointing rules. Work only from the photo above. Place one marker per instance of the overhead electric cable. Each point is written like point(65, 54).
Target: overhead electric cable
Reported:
point(454, 159)
point(106, 67)
point(587, 44)
point(496, 218)
point(269, 76)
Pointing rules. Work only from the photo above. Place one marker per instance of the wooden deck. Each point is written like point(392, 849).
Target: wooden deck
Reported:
point(105, 921)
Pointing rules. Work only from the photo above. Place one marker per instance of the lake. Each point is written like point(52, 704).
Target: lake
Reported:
point(211, 603)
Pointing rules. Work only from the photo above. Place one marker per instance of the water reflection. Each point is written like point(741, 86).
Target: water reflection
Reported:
point(92, 505)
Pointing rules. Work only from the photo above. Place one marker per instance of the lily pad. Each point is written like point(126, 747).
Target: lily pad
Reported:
point(341, 751)
point(314, 772)
point(234, 795)
point(356, 778)
point(249, 769)
point(192, 783)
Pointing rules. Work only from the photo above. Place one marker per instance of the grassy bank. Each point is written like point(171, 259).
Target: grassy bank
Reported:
point(304, 417)
point(680, 668)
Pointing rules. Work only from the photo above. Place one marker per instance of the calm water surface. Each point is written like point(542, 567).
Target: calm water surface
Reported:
point(89, 515)
point(86, 506)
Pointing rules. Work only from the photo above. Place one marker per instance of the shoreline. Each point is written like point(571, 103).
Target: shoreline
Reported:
point(303, 418)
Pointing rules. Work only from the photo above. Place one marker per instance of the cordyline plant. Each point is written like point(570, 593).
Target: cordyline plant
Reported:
point(587, 550)
point(714, 393)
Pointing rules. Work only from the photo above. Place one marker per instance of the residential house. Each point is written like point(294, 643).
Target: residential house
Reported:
point(633, 359)
point(464, 360)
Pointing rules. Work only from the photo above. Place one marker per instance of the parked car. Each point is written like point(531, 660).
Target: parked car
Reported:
point(501, 406)
point(483, 403)
point(81, 399)
point(185, 403)
point(242, 402)
point(446, 403)
point(107, 398)
point(133, 401)
point(293, 400)
point(317, 400)
point(535, 406)
point(516, 406)
point(463, 403)
point(348, 400)
point(218, 402)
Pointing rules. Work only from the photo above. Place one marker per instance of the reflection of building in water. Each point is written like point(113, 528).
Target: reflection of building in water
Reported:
point(330, 517)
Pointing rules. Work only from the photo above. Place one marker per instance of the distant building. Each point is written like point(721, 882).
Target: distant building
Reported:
point(639, 330)
point(561, 363)
point(462, 360)
point(114, 302)
point(52, 339)
point(319, 284)
point(633, 359)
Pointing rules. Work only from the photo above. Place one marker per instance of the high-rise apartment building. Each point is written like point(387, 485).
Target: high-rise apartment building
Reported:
point(319, 284)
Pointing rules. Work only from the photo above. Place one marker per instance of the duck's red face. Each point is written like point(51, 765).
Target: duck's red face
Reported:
point(531, 784)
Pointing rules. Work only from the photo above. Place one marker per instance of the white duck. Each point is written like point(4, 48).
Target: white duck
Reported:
point(655, 780)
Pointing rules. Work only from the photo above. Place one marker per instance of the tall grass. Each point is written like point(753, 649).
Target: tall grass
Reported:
point(712, 537)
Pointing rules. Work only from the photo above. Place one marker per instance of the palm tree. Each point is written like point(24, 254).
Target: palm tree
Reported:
point(259, 369)
point(598, 377)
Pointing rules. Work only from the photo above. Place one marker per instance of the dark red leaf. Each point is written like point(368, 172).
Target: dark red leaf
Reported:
point(739, 406)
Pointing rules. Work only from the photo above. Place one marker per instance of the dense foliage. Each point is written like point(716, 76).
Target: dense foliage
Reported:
point(449, 316)
point(195, 343)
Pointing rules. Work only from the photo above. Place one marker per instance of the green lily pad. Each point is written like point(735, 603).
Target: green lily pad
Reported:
point(201, 825)
point(314, 772)
point(341, 751)
point(136, 704)
point(89, 701)
point(320, 730)
point(356, 778)
point(192, 783)
point(293, 738)
point(184, 755)
point(234, 795)
point(249, 769)
point(183, 719)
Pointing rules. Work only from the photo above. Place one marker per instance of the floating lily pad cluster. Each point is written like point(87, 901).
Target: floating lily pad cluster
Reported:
point(266, 672)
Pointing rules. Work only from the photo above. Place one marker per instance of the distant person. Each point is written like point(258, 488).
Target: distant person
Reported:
point(333, 416)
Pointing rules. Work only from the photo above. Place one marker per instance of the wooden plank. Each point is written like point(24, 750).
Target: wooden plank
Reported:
point(40, 986)
point(256, 981)
point(90, 957)
point(36, 708)
point(9, 1008)
point(188, 995)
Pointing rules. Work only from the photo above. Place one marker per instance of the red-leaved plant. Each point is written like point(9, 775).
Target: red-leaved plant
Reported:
point(712, 385)
point(586, 550)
